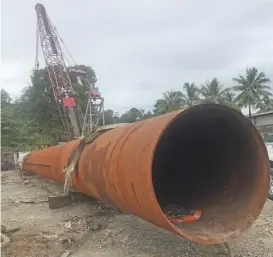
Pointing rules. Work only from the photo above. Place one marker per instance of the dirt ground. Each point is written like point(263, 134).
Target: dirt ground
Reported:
point(91, 229)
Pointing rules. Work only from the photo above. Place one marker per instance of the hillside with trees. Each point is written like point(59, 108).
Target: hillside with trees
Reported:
point(34, 119)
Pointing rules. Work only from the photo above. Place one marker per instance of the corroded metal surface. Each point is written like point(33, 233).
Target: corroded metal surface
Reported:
point(117, 169)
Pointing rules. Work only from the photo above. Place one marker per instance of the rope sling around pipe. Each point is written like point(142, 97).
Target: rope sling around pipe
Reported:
point(75, 155)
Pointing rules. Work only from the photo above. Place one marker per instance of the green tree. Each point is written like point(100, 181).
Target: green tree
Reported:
point(147, 115)
point(228, 100)
point(38, 107)
point(171, 101)
point(132, 115)
point(89, 78)
point(251, 88)
point(9, 125)
point(264, 104)
point(9, 130)
point(191, 94)
point(5, 97)
point(229, 96)
point(82, 84)
point(214, 92)
point(110, 117)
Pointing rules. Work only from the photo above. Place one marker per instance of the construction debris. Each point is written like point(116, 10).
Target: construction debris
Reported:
point(3, 229)
point(66, 253)
point(178, 214)
point(229, 249)
point(11, 230)
point(60, 201)
point(55, 202)
point(4, 240)
point(8, 161)
point(32, 201)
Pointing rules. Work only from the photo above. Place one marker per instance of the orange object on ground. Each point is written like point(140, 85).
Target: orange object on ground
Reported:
point(196, 215)
point(209, 156)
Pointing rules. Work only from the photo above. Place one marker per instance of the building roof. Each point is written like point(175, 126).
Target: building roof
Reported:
point(260, 114)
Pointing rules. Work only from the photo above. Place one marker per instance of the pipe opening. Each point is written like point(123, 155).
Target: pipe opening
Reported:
point(207, 159)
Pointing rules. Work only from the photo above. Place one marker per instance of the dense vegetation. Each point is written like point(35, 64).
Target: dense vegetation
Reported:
point(33, 118)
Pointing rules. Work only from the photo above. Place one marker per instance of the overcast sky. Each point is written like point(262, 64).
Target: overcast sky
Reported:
point(139, 49)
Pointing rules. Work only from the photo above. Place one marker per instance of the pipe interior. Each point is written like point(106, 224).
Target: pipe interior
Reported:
point(206, 160)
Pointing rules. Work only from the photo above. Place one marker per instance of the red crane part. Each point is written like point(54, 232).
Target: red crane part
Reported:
point(208, 156)
point(69, 101)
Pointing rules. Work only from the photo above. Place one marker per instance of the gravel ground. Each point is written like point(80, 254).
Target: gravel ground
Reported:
point(92, 229)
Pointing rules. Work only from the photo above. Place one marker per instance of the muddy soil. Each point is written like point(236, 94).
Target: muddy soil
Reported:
point(91, 229)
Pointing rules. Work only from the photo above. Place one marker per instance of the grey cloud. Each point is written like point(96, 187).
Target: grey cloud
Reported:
point(139, 49)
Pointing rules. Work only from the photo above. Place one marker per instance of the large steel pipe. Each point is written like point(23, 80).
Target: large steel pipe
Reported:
point(208, 157)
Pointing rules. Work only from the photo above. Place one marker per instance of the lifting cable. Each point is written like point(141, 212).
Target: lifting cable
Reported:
point(48, 69)
point(37, 48)
point(57, 33)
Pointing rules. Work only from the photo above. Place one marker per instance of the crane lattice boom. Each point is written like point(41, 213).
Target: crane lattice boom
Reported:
point(58, 73)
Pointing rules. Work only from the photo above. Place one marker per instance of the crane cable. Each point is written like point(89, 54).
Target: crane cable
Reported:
point(37, 48)
point(65, 47)
point(59, 39)
point(64, 120)
point(57, 33)
point(37, 67)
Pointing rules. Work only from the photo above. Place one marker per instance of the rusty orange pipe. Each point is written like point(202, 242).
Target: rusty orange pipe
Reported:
point(207, 156)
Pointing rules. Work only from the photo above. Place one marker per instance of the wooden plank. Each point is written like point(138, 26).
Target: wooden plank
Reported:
point(76, 197)
point(55, 202)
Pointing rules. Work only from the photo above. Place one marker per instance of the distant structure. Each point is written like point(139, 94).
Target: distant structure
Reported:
point(263, 121)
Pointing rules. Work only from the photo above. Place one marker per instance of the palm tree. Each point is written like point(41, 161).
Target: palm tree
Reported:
point(228, 99)
point(265, 104)
point(171, 101)
point(252, 88)
point(229, 96)
point(213, 92)
point(191, 94)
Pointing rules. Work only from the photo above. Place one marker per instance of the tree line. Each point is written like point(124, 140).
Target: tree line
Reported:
point(33, 118)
